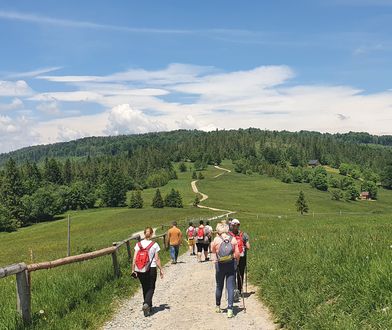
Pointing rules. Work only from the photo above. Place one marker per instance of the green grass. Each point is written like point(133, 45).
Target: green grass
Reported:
point(82, 295)
point(327, 271)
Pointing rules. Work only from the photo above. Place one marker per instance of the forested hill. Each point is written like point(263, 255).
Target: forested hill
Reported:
point(362, 149)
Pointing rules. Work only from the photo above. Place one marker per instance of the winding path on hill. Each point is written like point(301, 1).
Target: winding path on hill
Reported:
point(185, 299)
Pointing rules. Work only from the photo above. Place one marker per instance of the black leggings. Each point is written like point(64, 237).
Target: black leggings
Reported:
point(148, 280)
point(240, 273)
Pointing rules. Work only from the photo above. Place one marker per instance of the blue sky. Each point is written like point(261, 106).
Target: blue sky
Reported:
point(80, 68)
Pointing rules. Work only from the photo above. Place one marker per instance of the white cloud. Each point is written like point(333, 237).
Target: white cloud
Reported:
point(16, 133)
point(14, 88)
point(123, 119)
point(33, 73)
point(193, 97)
point(15, 104)
point(50, 108)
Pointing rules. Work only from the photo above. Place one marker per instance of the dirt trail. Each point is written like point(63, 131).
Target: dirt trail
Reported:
point(185, 299)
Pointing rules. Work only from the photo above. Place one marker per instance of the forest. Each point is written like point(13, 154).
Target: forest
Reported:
point(37, 183)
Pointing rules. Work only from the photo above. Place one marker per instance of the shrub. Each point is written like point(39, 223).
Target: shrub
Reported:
point(337, 194)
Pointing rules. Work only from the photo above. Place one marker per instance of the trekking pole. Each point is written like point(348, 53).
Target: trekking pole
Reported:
point(246, 278)
point(242, 291)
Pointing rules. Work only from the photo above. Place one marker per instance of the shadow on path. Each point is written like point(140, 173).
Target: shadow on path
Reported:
point(160, 308)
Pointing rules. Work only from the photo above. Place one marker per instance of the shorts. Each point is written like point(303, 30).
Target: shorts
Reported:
point(202, 246)
point(191, 241)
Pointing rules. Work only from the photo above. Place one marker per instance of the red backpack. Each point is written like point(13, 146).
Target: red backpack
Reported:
point(200, 233)
point(191, 232)
point(240, 241)
point(142, 261)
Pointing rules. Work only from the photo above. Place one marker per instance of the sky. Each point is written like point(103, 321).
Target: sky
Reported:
point(73, 69)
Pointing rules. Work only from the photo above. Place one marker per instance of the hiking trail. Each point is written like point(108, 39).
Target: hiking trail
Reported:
point(185, 299)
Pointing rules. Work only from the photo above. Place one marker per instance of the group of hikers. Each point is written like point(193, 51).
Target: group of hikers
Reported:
point(227, 247)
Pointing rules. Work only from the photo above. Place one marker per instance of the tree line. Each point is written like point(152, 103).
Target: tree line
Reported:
point(38, 183)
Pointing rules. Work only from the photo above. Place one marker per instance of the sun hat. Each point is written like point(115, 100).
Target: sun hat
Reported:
point(235, 222)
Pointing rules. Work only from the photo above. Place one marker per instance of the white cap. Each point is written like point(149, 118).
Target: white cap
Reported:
point(235, 222)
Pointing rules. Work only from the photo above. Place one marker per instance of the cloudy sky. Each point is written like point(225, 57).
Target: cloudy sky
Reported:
point(83, 68)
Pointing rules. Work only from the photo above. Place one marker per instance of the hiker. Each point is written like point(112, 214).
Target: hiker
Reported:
point(191, 233)
point(225, 256)
point(208, 230)
point(202, 242)
point(243, 246)
point(144, 267)
point(174, 239)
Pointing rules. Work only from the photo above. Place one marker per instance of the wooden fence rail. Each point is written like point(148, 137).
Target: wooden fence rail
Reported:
point(23, 271)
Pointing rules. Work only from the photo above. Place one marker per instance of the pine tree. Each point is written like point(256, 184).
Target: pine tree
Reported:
point(136, 201)
point(201, 176)
point(114, 189)
point(301, 204)
point(194, 175)
point(182, 167)
point(67, 172)
point(157, 201)
point(173, 199)
point(11, 189)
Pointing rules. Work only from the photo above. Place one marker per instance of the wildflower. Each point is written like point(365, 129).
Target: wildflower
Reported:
point(42, 311)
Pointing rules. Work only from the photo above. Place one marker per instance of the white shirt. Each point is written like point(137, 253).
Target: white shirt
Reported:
point(151, 253)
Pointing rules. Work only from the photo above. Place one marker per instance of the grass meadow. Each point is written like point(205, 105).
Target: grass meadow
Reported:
point(331, 269)
point(82, 295)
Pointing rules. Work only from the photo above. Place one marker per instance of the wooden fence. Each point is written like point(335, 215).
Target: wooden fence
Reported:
point(23, 271)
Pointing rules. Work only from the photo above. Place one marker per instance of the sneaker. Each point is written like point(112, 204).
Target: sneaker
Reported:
point(230, 313)
point(236, 295)
point(207, 259)
point(218, 309)
point(146, 309)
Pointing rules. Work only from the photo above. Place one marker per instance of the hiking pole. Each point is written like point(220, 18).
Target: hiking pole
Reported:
point(242, 291)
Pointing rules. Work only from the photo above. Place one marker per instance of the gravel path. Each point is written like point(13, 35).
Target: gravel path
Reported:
point(184, 299)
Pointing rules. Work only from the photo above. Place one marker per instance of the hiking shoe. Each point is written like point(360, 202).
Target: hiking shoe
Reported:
point(230, 313)
point(207, 259)
point(146, 309)
point(218, 309)
point(236, 295)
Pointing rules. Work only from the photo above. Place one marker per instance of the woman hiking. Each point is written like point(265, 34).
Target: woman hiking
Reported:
point(243, 246)
point(144, 267)
point(191, 233)
point(225, 256)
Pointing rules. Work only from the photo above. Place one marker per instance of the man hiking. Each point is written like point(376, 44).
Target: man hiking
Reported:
point(190, 234)
point(243, 245)
point(225, 255)
point(174, 239)
point(201, 242)
point(144, 267)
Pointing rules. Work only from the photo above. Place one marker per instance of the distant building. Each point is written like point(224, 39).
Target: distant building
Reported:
point(314, 162)
point(364, 195)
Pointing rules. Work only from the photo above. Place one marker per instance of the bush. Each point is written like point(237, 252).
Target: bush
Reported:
point(337, 194)
point(352, 193)
point(158, 179)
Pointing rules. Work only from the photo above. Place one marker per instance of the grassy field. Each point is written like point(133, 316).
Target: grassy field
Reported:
point(81, 295)
point(327, 271)
point(330, 270)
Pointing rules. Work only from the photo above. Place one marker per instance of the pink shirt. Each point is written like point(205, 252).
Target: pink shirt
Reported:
point(215, 244)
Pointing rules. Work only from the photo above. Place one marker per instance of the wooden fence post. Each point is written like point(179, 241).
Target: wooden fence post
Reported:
point(23, 296)
point(128, 244)
point(116, 266)
point(164, 241)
